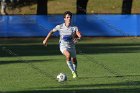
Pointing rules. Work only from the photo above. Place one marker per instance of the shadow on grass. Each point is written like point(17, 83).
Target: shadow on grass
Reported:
point(123, 87)
point(53, 49)
point(135, 90)
point(21, 61)
point(127, 84)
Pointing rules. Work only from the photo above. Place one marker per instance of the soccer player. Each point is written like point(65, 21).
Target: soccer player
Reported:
point(69, 35)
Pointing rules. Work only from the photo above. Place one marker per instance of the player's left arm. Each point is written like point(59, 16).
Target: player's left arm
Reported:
point(78, 36)
point(78, 33)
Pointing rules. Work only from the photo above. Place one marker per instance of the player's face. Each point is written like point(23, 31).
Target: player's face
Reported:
point(67, 18)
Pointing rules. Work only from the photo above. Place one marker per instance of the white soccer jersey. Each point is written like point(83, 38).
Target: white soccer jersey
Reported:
point(66, 34)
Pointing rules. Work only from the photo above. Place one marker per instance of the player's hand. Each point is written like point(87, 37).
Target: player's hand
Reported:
point(45, 43)
point(75, 40)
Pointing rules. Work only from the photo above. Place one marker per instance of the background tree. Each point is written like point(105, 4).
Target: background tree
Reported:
point(81, 6)
point(17, 4)
point(42, 7)
point(127, 6)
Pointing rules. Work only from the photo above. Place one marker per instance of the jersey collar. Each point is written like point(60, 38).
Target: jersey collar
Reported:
point(66, 26)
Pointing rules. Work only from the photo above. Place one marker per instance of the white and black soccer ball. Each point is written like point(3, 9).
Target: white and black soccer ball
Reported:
point(61, 77)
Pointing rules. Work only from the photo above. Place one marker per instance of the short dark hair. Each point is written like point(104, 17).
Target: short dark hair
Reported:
point(67, 12)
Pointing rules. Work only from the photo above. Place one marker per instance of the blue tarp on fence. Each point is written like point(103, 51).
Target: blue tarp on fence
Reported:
point(89, 25)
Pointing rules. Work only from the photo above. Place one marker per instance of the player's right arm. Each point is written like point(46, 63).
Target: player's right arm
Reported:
point(47, 37)
point(57, 28)
point(49, 34)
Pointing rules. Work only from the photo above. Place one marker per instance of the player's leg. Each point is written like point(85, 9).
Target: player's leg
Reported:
point(68, 58)
point(67, 54)
point(74, 61)
point(73, 58)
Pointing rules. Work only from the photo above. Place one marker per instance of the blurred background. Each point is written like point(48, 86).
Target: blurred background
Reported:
point(75, 6)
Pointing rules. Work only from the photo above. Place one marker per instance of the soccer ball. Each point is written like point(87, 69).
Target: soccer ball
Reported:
point(61, 77)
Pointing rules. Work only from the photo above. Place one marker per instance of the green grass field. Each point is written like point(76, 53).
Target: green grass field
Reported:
point(105, 65)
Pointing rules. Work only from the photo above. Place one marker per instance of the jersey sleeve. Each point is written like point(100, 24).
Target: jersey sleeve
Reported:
point(57, 28)
point(76, 28)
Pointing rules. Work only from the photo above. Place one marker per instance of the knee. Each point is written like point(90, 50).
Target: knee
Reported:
point(74, 59)
point(68, 57)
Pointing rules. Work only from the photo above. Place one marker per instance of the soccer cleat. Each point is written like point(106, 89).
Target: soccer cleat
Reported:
point(74, 75)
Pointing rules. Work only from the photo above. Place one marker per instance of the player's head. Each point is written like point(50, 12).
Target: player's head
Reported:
point(67, 16)
point(67, 13)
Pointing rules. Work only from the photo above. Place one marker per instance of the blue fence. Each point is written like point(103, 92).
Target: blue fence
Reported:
point(89, 25)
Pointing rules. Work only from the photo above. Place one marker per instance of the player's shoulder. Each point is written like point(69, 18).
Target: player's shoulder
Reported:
point(59, 25)
point(74, 27)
